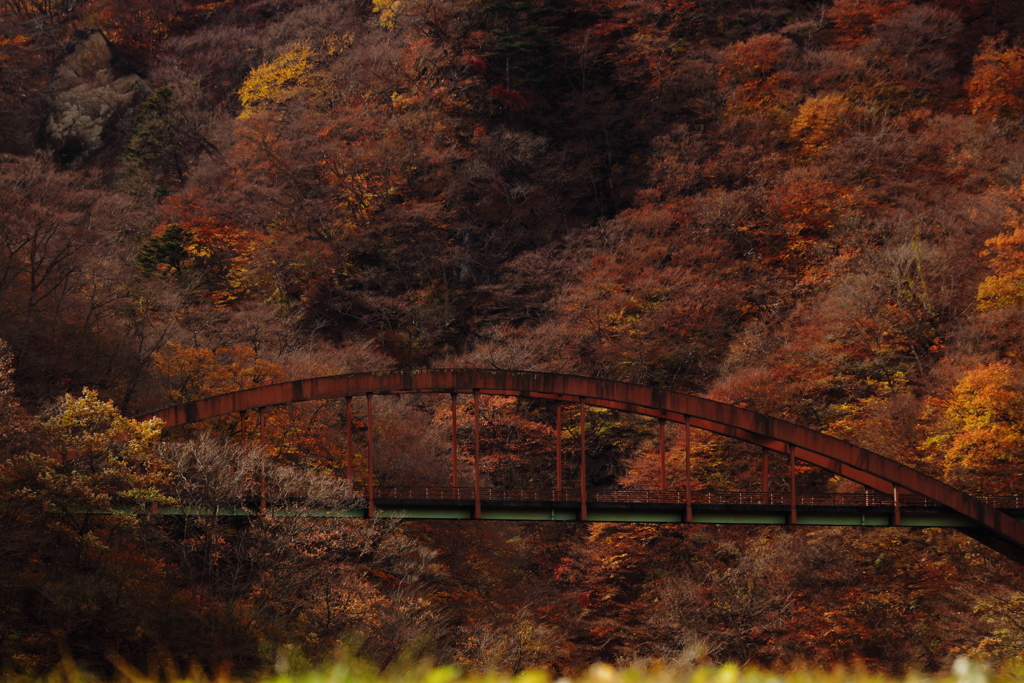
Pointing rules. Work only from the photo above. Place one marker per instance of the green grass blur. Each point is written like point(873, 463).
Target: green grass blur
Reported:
point(962, 671)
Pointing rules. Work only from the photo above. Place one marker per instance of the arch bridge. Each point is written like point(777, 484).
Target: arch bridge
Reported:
point(894, 494)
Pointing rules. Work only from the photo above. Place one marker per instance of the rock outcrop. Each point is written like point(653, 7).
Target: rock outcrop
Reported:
point(87, 97)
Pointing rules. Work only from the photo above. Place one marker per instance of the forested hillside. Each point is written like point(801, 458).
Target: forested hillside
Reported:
point(810, 208)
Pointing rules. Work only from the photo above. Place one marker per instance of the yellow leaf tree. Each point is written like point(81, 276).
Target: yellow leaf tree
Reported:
point(979, 439)
point(278, 81)
point(1004, 288)
point(996, 87)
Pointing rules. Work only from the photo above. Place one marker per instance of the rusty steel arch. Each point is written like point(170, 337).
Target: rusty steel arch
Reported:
point(994, 528)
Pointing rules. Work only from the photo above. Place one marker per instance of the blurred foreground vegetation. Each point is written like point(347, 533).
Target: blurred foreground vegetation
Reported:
point(963, 670)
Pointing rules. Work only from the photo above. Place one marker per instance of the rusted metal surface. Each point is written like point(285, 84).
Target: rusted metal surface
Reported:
point(829, 453)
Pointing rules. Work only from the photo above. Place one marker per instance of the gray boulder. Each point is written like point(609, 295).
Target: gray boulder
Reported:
point(87, 97)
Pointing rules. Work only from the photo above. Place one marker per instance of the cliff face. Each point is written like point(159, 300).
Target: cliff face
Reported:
point(88, 96)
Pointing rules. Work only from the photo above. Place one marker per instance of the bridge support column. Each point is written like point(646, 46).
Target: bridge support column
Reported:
point(558, 446)
point(369, 455)
point(764, 475)
point(455, 441)
point(348, 439)
point(583, 461)
point(792, 484)
point(242, 425)
point(895, 506)
point(476, 454)
point(689, 498)
point(661, 450)
point(263, 467)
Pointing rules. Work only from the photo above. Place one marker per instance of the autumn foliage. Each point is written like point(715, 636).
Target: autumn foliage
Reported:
point(811, 210)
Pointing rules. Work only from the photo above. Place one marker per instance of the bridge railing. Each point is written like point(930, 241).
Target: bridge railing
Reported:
point(703, 497)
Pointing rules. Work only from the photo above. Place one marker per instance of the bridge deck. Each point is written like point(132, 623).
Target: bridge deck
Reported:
point(707, 507)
